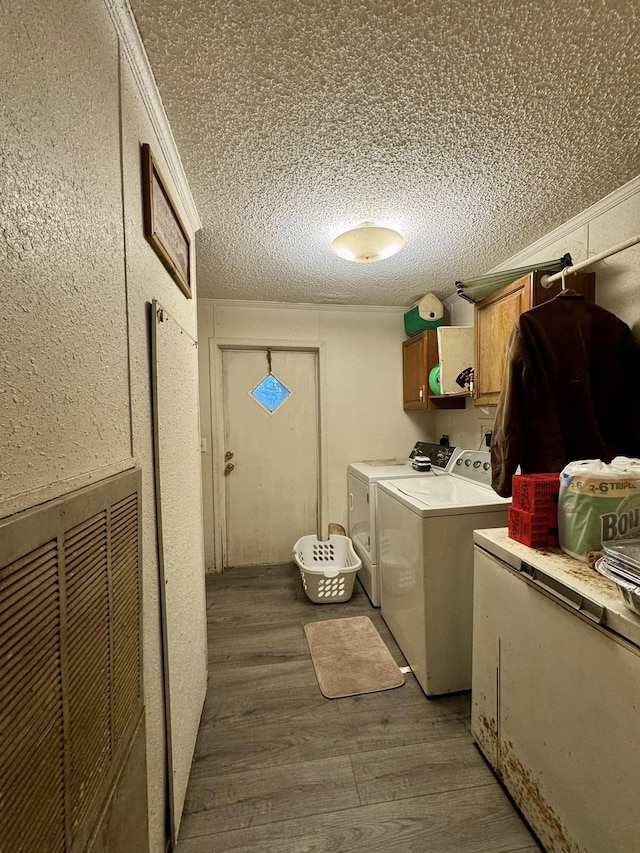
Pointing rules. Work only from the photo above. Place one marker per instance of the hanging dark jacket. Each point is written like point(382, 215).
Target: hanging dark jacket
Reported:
point(571, 390)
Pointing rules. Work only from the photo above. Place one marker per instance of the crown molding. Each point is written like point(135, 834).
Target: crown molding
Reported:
point(298, 306)
point(131, 43)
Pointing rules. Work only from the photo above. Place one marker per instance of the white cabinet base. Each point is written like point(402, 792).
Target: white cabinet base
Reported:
point(556, 712)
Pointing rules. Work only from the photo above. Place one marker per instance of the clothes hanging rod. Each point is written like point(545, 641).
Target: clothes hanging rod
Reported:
point(547, 280)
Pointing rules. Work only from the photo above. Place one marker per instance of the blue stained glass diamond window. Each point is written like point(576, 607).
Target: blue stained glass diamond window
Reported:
point(270, 393)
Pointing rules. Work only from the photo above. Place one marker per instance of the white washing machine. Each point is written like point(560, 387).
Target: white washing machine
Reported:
point(362, 480)
point(425, 540)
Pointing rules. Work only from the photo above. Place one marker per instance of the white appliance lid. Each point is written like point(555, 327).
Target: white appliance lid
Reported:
point(449, 492)
point(379, 463)
point(371, 473)
point(371, 470)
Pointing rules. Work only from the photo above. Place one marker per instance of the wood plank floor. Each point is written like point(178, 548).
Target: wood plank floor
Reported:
point(280, 769)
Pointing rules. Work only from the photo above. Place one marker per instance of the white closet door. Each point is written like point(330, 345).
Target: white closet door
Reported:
point(179, 507)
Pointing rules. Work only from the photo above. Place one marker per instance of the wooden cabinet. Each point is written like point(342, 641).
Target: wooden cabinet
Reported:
point(495, 317)
point(419, 356)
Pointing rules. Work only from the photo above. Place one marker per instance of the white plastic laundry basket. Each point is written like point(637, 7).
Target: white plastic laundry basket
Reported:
point(328, 569)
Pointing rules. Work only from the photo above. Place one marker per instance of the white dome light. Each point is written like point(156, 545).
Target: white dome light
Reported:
point(367, 243)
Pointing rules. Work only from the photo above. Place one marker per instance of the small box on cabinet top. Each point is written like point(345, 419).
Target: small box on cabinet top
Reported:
point(533, 515)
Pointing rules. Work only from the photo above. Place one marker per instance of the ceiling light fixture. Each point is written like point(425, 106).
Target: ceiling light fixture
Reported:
point(367, 243)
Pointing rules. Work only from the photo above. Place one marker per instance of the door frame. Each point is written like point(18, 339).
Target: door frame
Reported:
point(217, 347)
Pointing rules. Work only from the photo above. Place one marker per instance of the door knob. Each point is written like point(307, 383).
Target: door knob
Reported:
point(228, 468)
point(228, 455)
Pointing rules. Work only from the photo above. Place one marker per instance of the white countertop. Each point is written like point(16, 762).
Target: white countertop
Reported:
point(567, 570)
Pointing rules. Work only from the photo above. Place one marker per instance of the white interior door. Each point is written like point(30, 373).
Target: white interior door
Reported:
point(179, 508)
point(271, 458)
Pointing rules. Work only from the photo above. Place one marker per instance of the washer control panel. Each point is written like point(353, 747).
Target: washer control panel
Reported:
point(474, 465)
point(440, 455)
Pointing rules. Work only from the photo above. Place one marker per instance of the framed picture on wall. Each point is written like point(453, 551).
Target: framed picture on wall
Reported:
point(163, 227)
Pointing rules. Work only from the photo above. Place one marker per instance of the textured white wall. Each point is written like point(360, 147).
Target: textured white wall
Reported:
point(364, 413)
point(63, 355)
point(612, 221)
point(618, 277)
point(77, 281)
point(147, 279)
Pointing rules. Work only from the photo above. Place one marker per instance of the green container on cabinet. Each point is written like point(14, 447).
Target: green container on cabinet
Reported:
point(427, 313)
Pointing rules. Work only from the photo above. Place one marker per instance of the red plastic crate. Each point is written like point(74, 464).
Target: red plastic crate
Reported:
point(531, 529)
point(536, 492)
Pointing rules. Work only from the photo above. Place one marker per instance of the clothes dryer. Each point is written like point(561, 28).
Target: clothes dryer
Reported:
point(425, 538)
point(362, 480)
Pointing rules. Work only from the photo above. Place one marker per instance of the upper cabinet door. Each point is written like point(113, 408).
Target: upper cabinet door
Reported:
point(415, 390)
point(419, 356)
point(495, 318)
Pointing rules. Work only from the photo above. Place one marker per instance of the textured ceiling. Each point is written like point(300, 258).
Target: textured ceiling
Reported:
point(472, 126)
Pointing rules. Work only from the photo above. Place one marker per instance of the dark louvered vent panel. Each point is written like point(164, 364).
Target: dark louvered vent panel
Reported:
point(125, 597)
point(70, 662)
point(87, 582)
point(31, 709)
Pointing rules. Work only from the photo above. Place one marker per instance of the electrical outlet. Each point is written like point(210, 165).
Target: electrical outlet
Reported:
point(484, 427)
